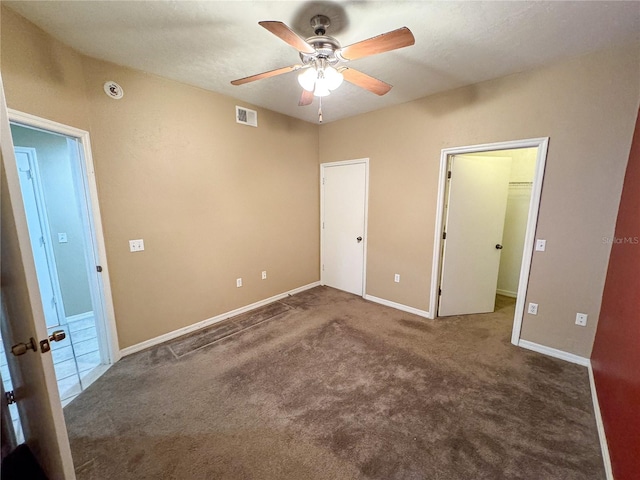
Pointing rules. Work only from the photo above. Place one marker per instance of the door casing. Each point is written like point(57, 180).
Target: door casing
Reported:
point(365, 161)
point(542, 145)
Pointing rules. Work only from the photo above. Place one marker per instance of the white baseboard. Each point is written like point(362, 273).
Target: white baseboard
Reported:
point(601, 434)
point(553, 352)
point(507, 293)
point(79, 316)
point(397, 306)
point(152, 342)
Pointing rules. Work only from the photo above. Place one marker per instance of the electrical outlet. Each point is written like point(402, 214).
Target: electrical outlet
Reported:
point(533, 309)
point(581, 319)
point(541, 245)
point(238, 282)
point(62, 238)
point(136, 245)
point(396, 278)
point(264, 274)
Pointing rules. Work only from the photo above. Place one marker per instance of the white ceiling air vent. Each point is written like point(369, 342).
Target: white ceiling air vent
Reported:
point(246, 116)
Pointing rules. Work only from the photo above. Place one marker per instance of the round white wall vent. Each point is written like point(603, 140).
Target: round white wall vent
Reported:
point(113, 90)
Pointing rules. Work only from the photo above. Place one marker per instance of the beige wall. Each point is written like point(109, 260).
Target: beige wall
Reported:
point(213, 200)
point(586, 106)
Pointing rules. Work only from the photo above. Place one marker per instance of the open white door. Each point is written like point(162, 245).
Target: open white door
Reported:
point(476, 207)
point(344, 199)
point(22, 319)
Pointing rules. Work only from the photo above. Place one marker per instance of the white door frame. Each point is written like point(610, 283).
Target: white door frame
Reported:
point(93, 225)
point(366, 216)
point(542, 145)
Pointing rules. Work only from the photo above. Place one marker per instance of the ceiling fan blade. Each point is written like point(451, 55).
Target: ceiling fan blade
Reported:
point(365, 81)
point(393, 40)
point(270, 73)
point(306, 98)
point(283, 32)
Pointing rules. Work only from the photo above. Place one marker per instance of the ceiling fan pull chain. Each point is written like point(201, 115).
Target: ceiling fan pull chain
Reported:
point(320, 110)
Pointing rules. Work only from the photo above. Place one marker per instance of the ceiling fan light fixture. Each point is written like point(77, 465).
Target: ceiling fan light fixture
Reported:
point(307, 79)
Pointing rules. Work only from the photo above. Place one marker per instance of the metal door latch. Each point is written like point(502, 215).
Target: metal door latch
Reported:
point(56, 336)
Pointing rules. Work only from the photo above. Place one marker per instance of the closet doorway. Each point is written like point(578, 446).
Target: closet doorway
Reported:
point(485, 227)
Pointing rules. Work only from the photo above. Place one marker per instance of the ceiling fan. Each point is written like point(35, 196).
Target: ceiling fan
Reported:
point(322, 58)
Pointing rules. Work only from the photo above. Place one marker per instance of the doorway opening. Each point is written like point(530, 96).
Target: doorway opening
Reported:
point(486, 219)
point(55, 175)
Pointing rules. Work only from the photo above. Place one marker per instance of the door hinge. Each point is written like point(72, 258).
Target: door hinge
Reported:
point(10, 397)
point(449, 174)
point(444, 235)
point(42, 241)
point(99, 268)
point(439, 291)
point(323, 180)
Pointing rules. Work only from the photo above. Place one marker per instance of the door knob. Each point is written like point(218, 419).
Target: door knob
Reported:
point(498, 247)
point(359, 239)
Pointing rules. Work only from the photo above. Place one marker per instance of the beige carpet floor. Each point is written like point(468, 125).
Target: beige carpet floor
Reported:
point(325, 385)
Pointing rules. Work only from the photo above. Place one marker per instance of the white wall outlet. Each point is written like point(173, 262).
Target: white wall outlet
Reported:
point(238, 282)
point(396, 278)
point(541, 245)
point(533, 309)
point(136, 245)
point(581, 319)
point(62, 238)
point(264, 274)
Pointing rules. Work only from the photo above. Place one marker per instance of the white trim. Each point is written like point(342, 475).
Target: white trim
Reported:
point(366, 215)
point(398, 306)
point(542, 145)
point(507, 293)
point(152, 342)
point(99, 254)
point(554, 352)
point(606, 459)
point(80, 316)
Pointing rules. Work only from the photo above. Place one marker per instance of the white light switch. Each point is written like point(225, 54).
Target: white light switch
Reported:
point(396, 278)
point(136, 245)
point(62, 238)
point(541, 245)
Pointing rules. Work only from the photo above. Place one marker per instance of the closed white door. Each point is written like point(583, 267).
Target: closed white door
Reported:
point(344, 196)
point(476, 208)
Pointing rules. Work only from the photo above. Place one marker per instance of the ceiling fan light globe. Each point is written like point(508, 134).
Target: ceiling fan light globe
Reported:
point(321, 89)
point(307, 79)
point(333, 78)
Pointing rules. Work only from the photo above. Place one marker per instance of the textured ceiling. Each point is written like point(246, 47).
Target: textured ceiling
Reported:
point(210, 43)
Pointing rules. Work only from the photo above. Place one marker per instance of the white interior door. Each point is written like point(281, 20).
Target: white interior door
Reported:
point(39, 235)
point(476, 207)
point(344, 194)
point(32, 373)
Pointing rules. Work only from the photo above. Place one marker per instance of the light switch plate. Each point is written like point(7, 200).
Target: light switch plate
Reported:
point(62, 238)
point(541, 245)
